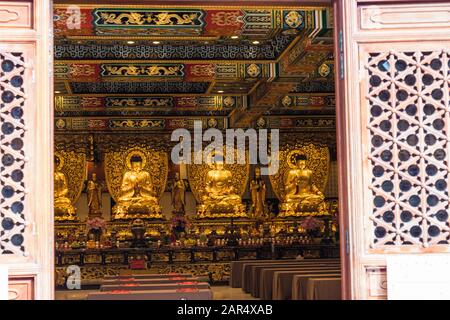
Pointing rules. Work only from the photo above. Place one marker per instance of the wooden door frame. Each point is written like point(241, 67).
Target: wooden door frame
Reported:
point(31, 273)
point(350, 39)
point(41, 268)
point(340, 102)
point(341, 136)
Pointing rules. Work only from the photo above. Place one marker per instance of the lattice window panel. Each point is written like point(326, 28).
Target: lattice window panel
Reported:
point(12, 155)
point(408, 123)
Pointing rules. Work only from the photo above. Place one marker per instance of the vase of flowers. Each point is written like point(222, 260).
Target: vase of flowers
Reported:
point(95, 226)
point(313, 227)
point(179, 225)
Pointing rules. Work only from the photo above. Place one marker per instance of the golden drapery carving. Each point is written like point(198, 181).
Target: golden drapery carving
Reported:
point(318, 161)
point(73, 165)
point(154, 161)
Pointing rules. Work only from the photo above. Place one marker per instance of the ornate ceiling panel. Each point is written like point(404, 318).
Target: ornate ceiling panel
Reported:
point(216, 22)
point(140, 67)
point(146, 105)
point(169, 49)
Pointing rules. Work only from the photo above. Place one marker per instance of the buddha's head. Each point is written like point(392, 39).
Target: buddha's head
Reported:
point(258, 173)
point(300, 161)
point(218, 162)
point(94, 177)
point(136, 163)
point(219, 165)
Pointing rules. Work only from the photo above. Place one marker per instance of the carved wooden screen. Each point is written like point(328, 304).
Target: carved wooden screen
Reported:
point(393, 66)
point(26, 217)
point(407, 99)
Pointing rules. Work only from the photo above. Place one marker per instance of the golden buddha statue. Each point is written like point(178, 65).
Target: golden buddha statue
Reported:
point(64, 210)
point(219, 198)
point(137, 197)
point(258, 193)
point(301, 196)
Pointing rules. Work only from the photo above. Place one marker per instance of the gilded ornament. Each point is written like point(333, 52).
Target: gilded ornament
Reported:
point(324, 70)
point(146, 70)
point(147, 18)
point(82, 70)
point(212, 123)
point(261, 122)
point(286, 101)
point(293, 19)
point(228, 101)
point(203, 70)
point(60, 124)
point(253, 70)
point(226, 18)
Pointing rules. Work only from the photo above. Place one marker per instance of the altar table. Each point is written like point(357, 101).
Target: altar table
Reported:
point(149, 280)
point(148, 276)
point(156, 286)
point(180, 294)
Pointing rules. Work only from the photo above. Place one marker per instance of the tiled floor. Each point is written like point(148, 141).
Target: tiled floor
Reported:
point(220, 293)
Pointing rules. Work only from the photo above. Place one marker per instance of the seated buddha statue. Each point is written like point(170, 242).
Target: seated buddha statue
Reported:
point(137, 197)
point(64, 210)
point(219, 197)
point(301, 196)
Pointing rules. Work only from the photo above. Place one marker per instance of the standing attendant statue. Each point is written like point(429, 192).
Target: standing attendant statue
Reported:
point(258, 193)
point(179, 195)
point(94, 197)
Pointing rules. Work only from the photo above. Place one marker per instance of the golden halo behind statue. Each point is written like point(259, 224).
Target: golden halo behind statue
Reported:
point(291, 158)
point(73, 165)
point(135, 152)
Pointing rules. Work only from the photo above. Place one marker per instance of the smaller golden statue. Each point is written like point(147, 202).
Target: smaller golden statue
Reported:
point(94, 197)
point(219, 197)
point(178, 195)
point(301, 197)
point(137, 197)
point(258, 193)
point(64, 210)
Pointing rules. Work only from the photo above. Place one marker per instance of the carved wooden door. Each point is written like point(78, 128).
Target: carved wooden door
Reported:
point(26, 134)
point(393, 128)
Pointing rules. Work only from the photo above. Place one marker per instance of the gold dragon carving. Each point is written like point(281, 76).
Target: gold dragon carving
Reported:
point(136, 18)
point(153, 70)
